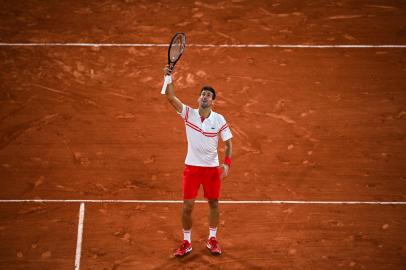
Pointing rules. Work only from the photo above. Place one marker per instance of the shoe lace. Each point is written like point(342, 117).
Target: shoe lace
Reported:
point(184, 244)
point(213, 242)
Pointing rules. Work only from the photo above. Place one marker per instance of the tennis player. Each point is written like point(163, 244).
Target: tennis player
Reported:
point(203, 128)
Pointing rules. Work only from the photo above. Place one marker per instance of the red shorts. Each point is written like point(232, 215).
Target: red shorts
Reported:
point(194, 176)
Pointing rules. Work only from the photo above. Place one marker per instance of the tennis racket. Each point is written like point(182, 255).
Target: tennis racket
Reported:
point(175, 51)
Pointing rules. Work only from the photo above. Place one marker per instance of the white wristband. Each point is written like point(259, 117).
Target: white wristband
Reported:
point(168, 79)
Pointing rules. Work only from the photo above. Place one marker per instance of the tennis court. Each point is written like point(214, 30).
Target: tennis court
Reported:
point(91, 154)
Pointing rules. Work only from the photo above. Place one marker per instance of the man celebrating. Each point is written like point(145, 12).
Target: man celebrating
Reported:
point(203, 127)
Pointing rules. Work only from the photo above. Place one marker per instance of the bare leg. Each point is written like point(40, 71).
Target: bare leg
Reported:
point(214, 213)
point(188, 206)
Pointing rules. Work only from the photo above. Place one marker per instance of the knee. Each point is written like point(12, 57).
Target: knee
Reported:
point(214, 204)
point(187, 208)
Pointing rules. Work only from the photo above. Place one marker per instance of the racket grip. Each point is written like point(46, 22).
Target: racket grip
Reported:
point(167, 80)
point(163, 91)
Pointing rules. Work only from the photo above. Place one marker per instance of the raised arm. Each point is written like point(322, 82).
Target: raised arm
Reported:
point(170, 93)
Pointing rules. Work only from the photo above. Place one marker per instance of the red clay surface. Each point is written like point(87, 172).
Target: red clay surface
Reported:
point(308, 124)
point(37, 236)
point(238, 21)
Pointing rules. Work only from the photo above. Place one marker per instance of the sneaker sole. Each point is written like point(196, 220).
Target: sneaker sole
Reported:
point(213, 253)
point(186, 253)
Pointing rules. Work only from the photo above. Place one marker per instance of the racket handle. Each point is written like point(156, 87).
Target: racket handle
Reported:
point(167, 80)
point(163, 91)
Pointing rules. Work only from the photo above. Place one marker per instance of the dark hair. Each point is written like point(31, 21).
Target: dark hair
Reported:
point(209, 88)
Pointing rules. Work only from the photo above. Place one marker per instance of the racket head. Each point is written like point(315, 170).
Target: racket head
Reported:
point(176, 48)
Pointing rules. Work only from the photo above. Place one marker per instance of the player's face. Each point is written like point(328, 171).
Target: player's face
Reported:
point(205, 99)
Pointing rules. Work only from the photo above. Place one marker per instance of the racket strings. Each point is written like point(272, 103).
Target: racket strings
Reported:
point(177, 48)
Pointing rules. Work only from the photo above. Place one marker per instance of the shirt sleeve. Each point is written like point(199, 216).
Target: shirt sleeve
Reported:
point(225, 131)
point(184, 110)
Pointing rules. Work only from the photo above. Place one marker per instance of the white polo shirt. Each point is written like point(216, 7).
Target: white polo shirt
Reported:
point(202, 137)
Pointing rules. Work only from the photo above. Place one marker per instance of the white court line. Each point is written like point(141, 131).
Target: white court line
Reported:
point(310, 46)
point(80, 236)
point(203, 201)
